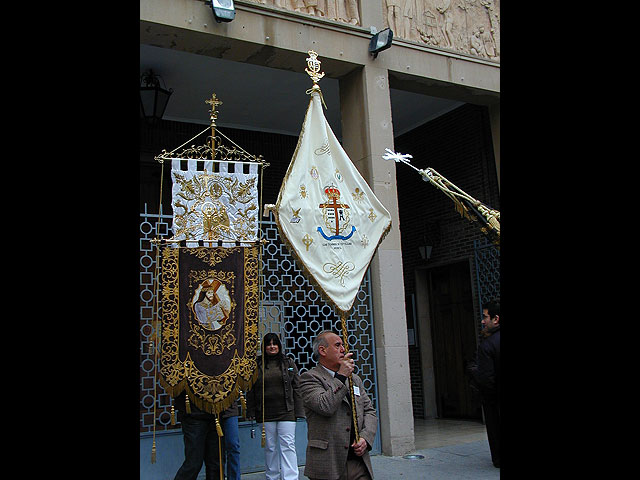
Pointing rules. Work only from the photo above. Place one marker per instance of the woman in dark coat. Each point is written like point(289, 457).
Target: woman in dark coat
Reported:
point(275, 400)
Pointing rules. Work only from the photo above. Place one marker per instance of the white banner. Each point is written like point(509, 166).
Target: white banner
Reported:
point(216, 206)
point(327, 213)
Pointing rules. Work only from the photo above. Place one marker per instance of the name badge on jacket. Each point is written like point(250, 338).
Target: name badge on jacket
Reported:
point(356, 390)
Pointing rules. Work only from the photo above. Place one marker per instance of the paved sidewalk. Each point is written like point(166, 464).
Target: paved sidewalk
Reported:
point(453, 462)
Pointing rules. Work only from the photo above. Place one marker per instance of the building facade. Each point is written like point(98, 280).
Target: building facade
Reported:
point(441, 50)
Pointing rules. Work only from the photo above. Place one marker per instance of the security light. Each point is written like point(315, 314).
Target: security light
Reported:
point(223, 10)
point(380, 41)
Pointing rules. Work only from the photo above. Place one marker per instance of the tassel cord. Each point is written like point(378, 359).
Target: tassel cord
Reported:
point(316, 88)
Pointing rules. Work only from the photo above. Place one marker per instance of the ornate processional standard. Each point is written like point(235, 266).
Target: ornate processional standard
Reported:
point(207, 274)
point(327, 214)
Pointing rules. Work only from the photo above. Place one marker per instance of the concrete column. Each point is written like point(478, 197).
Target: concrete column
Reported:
point(367, 130)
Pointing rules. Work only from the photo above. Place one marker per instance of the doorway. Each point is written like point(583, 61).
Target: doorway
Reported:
point(454, 339)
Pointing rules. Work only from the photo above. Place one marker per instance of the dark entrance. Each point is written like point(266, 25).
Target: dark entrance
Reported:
point(454, 339)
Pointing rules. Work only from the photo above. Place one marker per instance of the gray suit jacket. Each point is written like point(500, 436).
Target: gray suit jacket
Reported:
point(329, 422)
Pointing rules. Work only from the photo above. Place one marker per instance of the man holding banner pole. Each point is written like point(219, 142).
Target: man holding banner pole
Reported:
point(336, 449)
point(332, 223)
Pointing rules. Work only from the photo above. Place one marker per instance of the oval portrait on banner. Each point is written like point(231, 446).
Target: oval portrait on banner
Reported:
point(211, 304)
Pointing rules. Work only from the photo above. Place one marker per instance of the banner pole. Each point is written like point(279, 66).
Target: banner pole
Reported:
point(343, 317)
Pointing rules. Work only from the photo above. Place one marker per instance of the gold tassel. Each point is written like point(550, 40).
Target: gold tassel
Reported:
point(187, 404)
point(461, 209)
point(153, 452)
point(243, 403)
point(173, 416)
point(219, 428)
point(263, 440)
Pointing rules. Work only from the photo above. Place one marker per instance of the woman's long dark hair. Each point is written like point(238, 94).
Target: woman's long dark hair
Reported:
point(268, 338)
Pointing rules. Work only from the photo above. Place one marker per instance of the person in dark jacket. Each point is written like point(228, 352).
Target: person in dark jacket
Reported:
point(201, 441)
point(278, 391)
point(485, 374)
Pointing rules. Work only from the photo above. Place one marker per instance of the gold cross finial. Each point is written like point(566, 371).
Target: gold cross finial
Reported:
point(214, 102)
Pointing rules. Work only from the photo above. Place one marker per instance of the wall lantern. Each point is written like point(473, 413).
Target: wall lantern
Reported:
point(153, 98)
point(223, 10)
point(380, 41)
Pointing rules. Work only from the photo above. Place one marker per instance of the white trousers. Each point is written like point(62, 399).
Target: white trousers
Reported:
point(280, 451)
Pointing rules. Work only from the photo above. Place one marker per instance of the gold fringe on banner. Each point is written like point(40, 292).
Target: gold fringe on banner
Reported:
point(203, 405)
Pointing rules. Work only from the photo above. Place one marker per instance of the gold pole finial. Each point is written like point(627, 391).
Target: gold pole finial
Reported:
point(314, 67)
point(314, 72)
